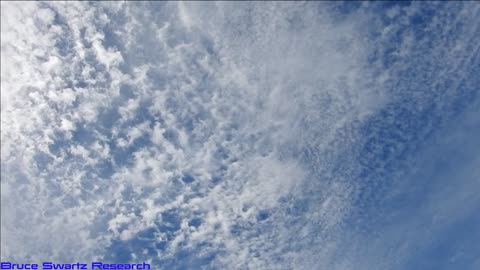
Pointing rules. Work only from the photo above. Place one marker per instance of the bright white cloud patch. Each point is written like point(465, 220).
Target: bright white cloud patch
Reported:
point(221, 135)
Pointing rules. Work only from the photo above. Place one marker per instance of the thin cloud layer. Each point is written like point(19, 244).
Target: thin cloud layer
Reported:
point(205, 135)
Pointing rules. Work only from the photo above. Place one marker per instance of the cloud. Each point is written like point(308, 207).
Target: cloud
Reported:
point(217, 135)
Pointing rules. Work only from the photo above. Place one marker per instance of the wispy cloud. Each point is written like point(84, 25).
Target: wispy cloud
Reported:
point(227, 134)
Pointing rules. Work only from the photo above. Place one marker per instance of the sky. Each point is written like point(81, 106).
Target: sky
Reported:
point(241, 135)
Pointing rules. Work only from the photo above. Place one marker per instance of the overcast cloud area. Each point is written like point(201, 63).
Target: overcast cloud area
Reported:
point(236, 135)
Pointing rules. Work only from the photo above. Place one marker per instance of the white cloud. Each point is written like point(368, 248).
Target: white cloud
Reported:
point(234, 127)
point(236, 124)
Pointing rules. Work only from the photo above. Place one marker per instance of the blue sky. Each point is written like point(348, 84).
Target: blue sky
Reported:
point(241, 135)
